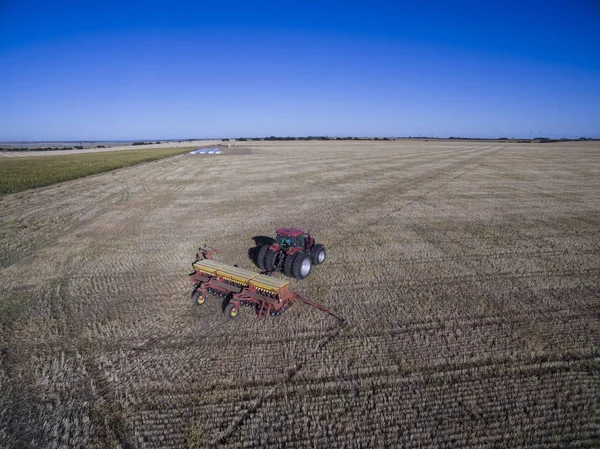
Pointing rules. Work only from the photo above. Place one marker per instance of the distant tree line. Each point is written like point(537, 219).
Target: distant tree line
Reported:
point(536, 140)
point(40, 148)
point(506, 139)
point(76, 147)
point(274, 138)
point(548, 140)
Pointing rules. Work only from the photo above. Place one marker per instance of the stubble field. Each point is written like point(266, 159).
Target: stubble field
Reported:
point(469, 273)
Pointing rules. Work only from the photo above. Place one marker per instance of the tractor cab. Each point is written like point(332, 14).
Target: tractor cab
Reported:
point(285, 241)
point(292, 238)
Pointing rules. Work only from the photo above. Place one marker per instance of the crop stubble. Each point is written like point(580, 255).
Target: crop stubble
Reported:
point(468, 272)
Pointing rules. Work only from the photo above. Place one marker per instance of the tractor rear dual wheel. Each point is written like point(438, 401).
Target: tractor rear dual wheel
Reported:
point(261, 257)
point(270, 260)
point(288, 264)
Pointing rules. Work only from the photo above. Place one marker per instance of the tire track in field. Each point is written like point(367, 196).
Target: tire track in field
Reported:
point(500, 319)
point(107, 413)
point(463, 388)
point(157, 343)
point(403, 184)
point(383, 381)
point(477, 257)
point(414, 184)
point(492, 365)
point(369, 168)
point(290, 372)
point(472, 277)
point(470, 164)
point(36, 218)
point(112, 417)
point(517, 279)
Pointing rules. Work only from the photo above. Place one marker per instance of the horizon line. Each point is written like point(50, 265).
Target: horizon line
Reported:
point(313, 137)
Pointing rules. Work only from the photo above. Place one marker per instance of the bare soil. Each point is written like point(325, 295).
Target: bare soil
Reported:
point(468, 272)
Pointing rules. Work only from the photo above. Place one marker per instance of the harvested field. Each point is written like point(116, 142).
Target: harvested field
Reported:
point(469, 273)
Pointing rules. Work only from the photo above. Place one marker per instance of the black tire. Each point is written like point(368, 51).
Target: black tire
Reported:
point(262, 255)
point(198, 298)
point(225, 301)
point(230, 311)
point(253, 253)
point(270, 259)
point(318, 254)
point(301, 266)
point(287, 265)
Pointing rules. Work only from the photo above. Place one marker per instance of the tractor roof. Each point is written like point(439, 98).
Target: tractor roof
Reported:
point(291, 232)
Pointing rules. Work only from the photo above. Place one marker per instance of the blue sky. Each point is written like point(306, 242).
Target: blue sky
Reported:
point(78, 70)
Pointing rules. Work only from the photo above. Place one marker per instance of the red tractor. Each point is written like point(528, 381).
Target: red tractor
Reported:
point(293, 252)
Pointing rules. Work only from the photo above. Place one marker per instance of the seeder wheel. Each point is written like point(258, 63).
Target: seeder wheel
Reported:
point(198, 298)
point(231, 311)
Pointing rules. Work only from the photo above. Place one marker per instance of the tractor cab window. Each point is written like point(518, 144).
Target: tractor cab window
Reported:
point(285, 241)
point(300, 241)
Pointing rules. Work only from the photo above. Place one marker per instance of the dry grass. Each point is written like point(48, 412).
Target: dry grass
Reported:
point(468, 271)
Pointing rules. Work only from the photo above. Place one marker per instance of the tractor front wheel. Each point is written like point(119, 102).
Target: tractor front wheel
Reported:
point(318, 254)
point(198, 298)
point(301, 266)
point(231, 311)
